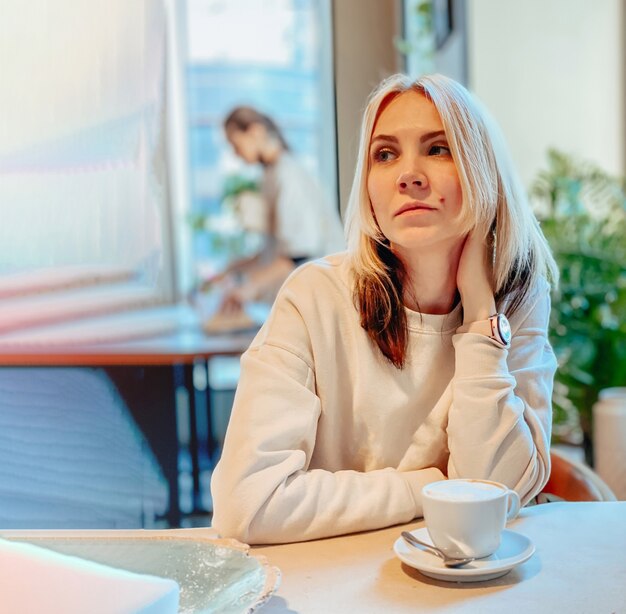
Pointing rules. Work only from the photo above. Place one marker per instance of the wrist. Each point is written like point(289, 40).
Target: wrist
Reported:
point(475, 313)
point(479, 303)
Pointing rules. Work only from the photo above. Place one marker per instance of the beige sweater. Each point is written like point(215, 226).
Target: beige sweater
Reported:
point(327, 437)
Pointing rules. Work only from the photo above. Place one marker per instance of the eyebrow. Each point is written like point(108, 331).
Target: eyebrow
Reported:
point(388, 138)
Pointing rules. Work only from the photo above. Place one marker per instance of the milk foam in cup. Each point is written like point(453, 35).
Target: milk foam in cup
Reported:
point(466, 517)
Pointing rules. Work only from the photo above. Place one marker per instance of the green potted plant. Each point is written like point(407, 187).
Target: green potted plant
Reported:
point(233, 187)
point(583, 215)
point(228, 231)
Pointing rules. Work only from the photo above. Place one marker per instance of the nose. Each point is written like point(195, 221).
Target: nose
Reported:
point(410, 180)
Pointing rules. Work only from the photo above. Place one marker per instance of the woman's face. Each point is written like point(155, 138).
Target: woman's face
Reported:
point(412, 180)
point(246, 143)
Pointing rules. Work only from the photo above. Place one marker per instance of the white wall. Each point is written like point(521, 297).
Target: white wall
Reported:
point(552, 74)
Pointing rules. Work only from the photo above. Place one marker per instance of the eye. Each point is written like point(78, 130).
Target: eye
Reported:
point(384, 154)
point(439, 150)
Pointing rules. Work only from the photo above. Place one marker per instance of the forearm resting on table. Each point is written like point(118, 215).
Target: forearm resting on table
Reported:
point(314, 504)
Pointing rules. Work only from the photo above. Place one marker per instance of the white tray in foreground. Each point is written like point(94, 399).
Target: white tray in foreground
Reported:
point(214, 575)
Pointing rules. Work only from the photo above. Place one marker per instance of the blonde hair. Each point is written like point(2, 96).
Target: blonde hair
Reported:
point(494, 203)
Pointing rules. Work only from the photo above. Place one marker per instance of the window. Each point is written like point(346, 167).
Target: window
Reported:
point(80, 127)
point(274, 55)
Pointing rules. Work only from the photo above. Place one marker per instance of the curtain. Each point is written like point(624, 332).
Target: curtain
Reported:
point(81, 104)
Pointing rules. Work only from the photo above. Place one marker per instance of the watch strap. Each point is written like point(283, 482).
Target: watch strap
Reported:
point(488, 327)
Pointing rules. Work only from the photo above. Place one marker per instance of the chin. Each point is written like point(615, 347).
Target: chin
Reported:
point(420, 239)
point(416, 238)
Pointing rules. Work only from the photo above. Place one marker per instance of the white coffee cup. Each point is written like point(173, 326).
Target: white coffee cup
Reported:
point(466, 517)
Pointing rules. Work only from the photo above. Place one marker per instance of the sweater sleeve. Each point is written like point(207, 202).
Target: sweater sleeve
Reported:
point(500, 420)
point(263, 488)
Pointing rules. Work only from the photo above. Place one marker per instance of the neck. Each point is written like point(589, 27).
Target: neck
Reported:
point(431, 279)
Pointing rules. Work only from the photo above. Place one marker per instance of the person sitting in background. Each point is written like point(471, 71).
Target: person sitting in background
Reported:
point(302, 223)
point(394, 365)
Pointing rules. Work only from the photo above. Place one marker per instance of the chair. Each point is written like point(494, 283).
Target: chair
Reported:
point(570, 480)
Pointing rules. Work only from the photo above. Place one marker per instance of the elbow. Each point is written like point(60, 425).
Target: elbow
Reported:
point(530, 478)
point(231, 518)
point(537, 480)
point(251, 522)
point(237, 516)
point(229, 521)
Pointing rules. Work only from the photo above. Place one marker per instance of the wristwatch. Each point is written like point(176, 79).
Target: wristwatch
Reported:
point(496, 327)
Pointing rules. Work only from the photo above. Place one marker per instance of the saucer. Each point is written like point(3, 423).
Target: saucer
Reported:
point(514, 549)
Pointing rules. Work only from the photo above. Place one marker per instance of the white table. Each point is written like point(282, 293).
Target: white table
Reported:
point(579, 567)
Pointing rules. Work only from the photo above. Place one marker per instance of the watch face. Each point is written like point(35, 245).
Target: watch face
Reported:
point(504, 328)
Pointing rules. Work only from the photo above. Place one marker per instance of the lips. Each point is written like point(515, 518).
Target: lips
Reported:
point(414, 206)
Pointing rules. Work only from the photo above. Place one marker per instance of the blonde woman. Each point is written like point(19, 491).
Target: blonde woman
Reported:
point(421, 353)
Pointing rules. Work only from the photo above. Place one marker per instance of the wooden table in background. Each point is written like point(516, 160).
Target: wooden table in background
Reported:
point(146, 372)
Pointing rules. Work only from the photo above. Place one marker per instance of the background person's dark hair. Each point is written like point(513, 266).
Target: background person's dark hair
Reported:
point(241, 118)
